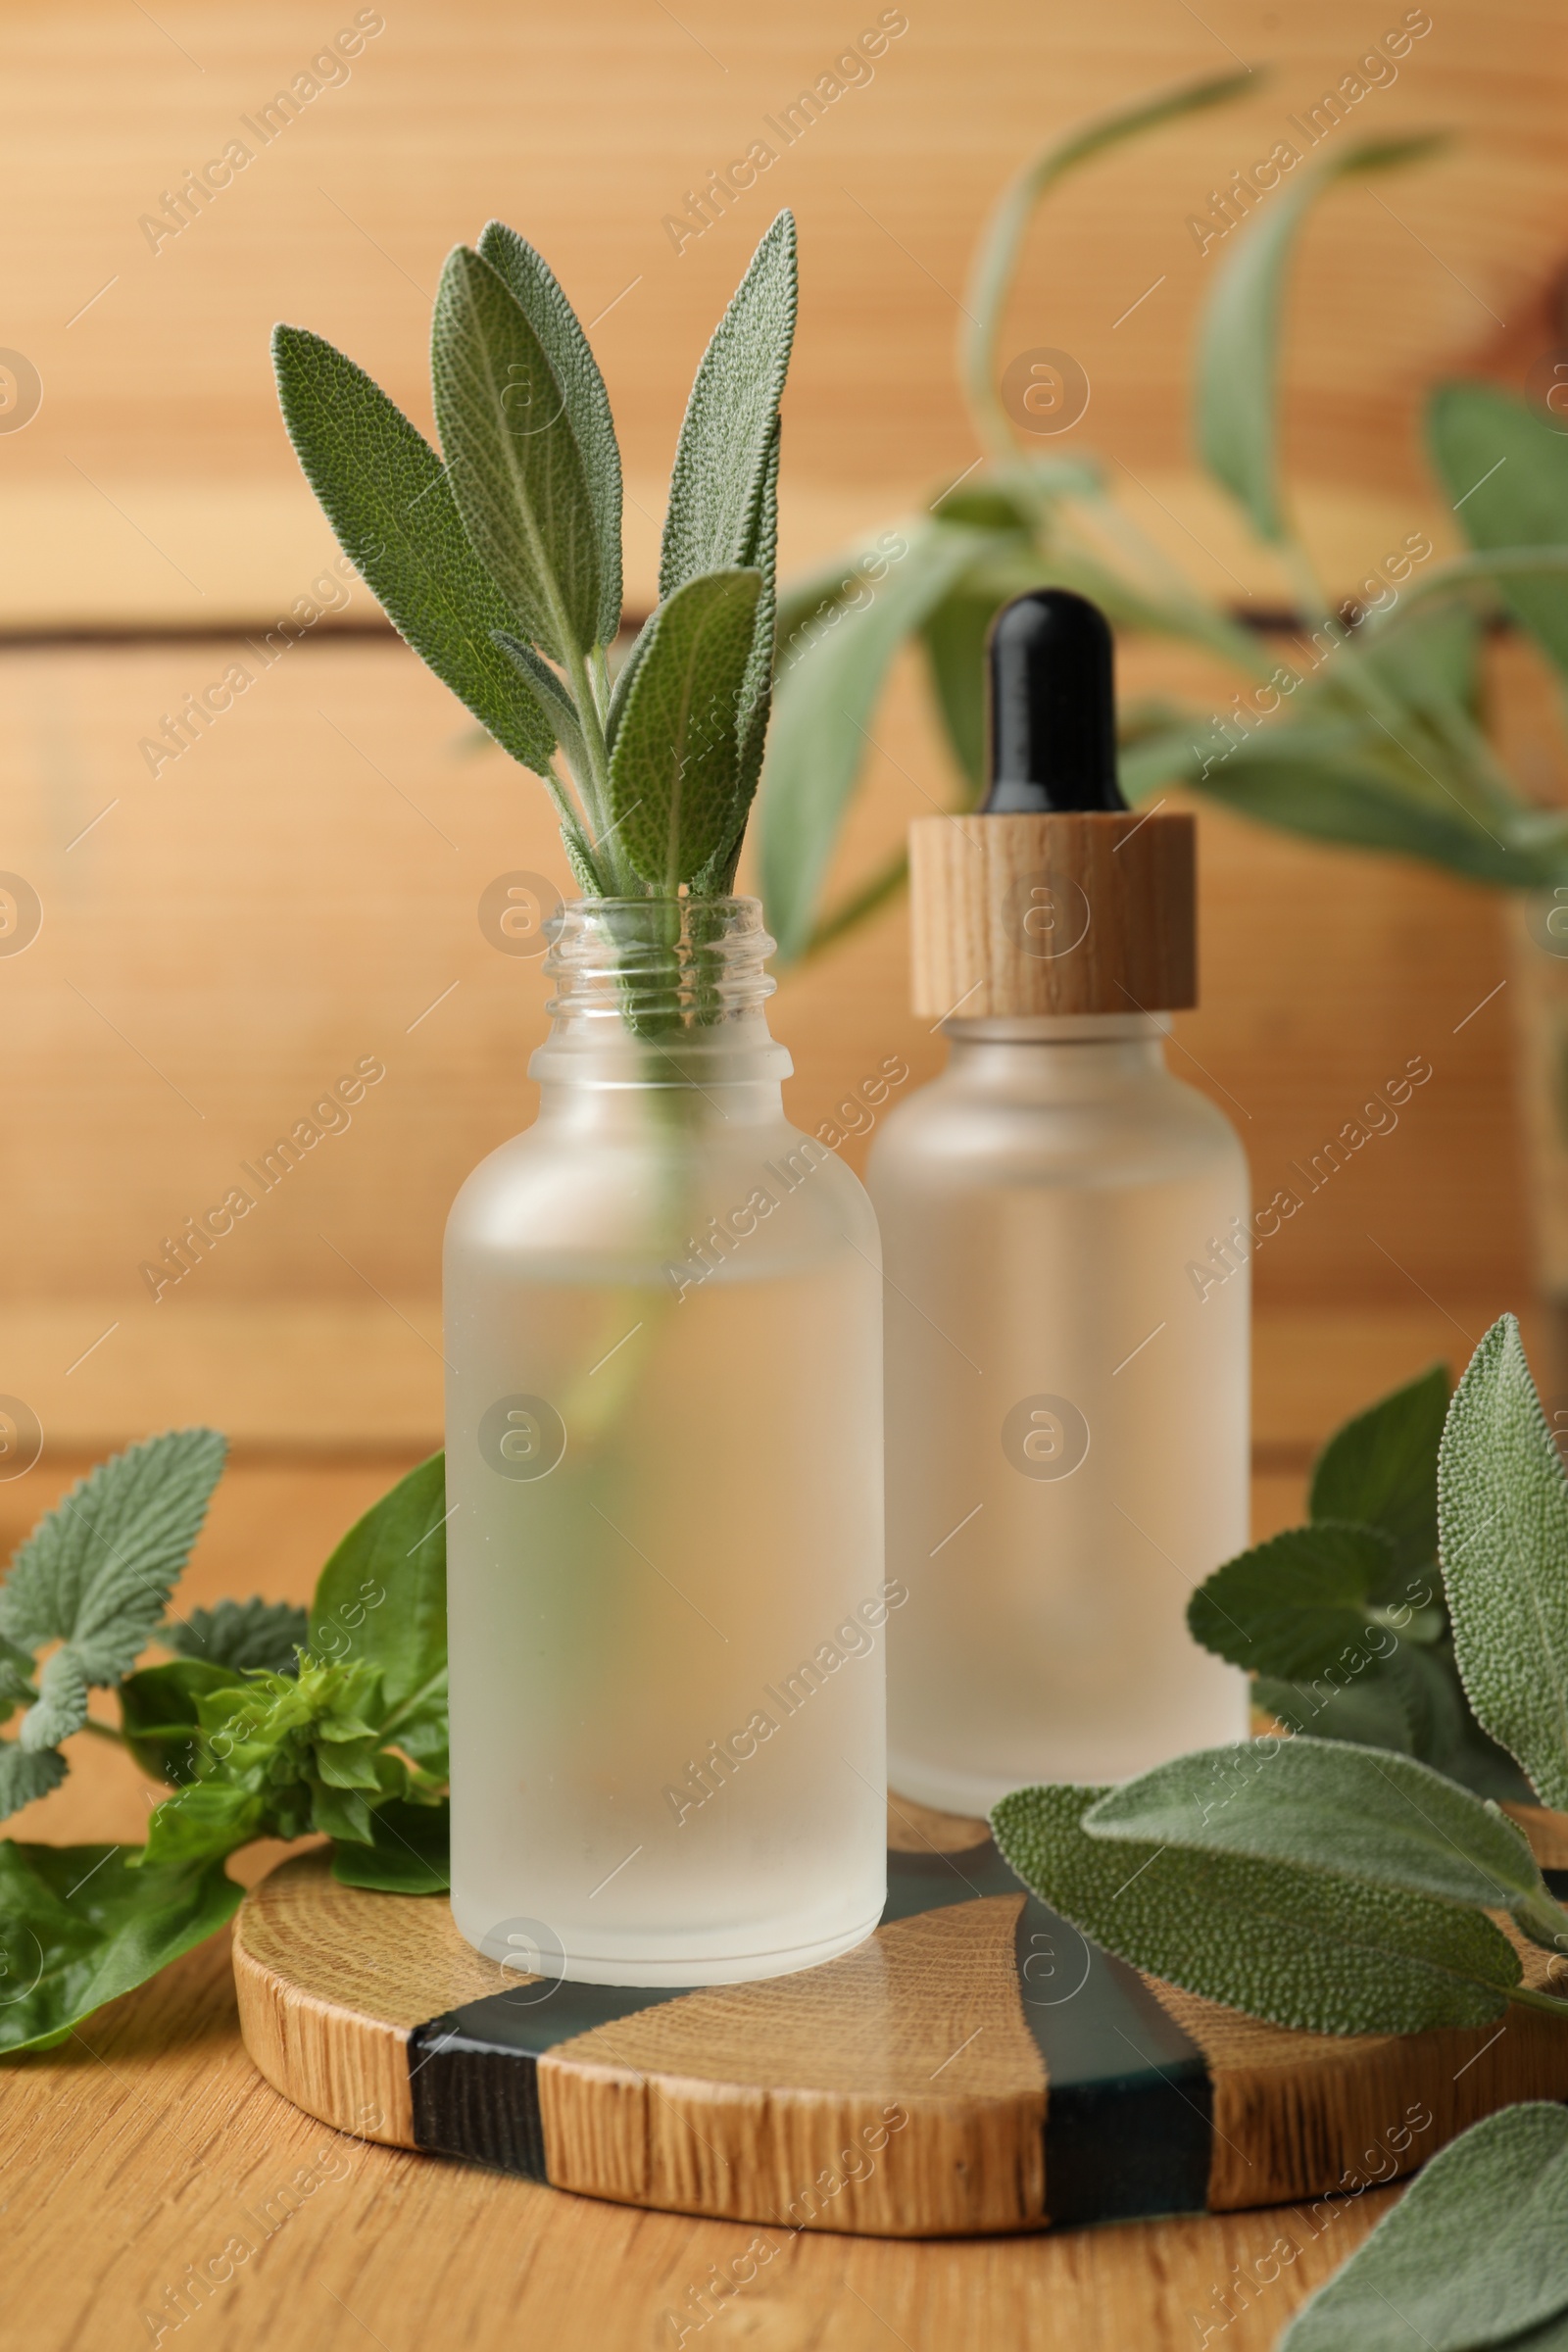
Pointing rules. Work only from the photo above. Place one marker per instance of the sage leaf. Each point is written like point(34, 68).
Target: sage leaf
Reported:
point(159, 1714)
point(26, 1773)
point(1475, 2252)
point(675, 773)
point(1355, 1812)
point(1336, 783)
point(537, 291)
point(513, 460)
point(716, 877)
point(386, 495)
point(823, 704)
point(240, 1635)
point(78, 1926)
point(1293, 1946)
point(1296, 1605)
point(381, 1601)
point(97, 1570)
point(1504, 1517)
point(409, 1853)
point(1506, 474)
point(1239, 338)
point(955, 634)
point(716, 519)
point(1382, 1469)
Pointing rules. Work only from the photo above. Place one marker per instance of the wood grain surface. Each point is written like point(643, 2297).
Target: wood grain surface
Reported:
point(724, 2102)
point(1081, 913)
point(134, 2156)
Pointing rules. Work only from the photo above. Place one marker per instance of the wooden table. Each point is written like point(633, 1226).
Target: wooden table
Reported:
point(149, 2150)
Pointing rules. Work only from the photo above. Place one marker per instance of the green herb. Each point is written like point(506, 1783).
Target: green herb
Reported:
point(348, 1736)
point(242, 1634)
point(1365, 730)
point(1320, 1884)
point(500, 560)
point(1343, 1623)
point(1475, 2253)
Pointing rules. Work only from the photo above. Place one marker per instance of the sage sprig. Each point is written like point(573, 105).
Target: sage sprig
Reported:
point(1324, 1884)
point(1343, 1623)
point(500, 560)
point(1474, 2254)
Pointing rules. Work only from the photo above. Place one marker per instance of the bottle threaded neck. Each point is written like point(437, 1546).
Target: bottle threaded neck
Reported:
point(684, 963)
point(649, 990)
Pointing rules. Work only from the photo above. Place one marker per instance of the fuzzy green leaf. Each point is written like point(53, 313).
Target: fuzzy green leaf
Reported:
point(674, 774)
point(1294, 1606)
point(242, 1634)
point(1503, 1515)
point(1322, 1805)
point(717, 517)
point(1382, 1469)
point(513, 460)
point(382, 1600)
point(716, 877)
point(97, 1570)
point(1475, 2252)
point(1293, 1946)
point(26, 1773)
point(78, 1926)
point(534, 285)
point(1238, 344)
point(61, 1707)
point(1505, 471)
point(409, 1851)
point(823, 705)
point(385, 493)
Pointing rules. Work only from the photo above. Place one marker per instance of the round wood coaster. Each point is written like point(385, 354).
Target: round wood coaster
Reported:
point(976, 2066)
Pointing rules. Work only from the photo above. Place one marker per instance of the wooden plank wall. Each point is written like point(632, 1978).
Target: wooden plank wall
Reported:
point(300, 889)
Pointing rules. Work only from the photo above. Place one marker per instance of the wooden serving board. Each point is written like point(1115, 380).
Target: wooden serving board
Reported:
point(976, 2066)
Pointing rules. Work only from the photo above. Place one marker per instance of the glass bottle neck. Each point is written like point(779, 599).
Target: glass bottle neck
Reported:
point(663, 997)
point(1058, 1053)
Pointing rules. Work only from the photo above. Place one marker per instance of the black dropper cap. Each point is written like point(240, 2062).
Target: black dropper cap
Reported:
point(1052, 707)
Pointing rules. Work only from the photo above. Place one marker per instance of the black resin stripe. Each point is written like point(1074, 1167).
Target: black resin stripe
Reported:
point(1129, 2108)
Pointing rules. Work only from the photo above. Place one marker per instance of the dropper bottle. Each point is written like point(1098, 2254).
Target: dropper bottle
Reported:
point(1067, 1242)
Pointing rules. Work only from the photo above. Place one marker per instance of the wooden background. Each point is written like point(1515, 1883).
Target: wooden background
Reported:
point(301, 887)
point(220, 940)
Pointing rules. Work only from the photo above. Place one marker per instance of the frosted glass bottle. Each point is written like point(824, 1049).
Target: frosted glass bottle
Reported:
point(1066, 1407)
point(664, 1461)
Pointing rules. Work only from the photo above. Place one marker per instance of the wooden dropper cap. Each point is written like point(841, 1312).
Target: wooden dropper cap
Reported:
point(1053, 897)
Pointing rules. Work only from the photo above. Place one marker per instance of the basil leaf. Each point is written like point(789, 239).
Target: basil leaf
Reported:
point(1475, 2252)
point(78, 1928)
point(1294, 1946)
point(1382, 1470)
point(1322, 1805)
point(1294, 1606)
point(382, 1600)
point(242, 1634)
point(409, 1851)
point(513, 460)
point(1503, 1515)
point(674, 774)
point(385, 493)
point(537, 290)
point(159, 1718)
